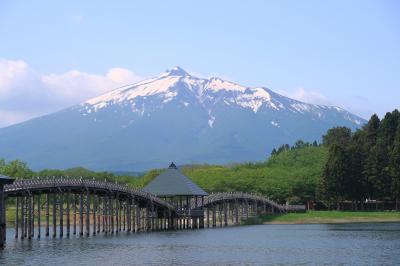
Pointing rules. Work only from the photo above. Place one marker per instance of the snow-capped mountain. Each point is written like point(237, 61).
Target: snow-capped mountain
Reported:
point(174, 116)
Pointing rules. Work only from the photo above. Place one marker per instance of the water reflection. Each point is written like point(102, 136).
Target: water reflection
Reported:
point(352, 244)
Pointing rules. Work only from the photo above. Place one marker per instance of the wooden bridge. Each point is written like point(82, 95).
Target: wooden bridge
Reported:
point(89, 207)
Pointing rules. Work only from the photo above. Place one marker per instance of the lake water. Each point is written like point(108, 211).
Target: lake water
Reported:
point(350, 244)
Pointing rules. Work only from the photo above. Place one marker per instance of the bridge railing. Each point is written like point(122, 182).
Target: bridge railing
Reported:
point(214, 197)
point(60, 183)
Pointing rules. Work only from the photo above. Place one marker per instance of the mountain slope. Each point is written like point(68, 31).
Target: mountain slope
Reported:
point(174, 116)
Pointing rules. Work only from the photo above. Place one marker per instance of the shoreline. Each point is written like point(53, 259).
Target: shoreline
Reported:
point(331, 222)
point(330, 217)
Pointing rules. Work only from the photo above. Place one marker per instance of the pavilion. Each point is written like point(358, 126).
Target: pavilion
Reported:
point(176, 188)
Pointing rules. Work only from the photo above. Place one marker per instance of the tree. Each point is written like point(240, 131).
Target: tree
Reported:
point(356, 183)
point(338, 135)
point(332, 187)
point(395, 168)
point(16, 168)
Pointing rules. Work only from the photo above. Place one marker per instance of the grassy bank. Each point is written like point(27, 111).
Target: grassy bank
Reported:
point(311, 217)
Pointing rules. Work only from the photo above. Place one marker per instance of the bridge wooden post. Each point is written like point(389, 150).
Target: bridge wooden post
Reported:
point(112, 213)
point(246, 206)
point(208, 217)
point(220, 206)
point(214, 216)
point(87, 213)
point(153, 218)
point(39, 213)
point(124, 216)
point(74, 213)
point(128, 215)
point(81, 213)
point(61, 196)
point(54, 214)
point(98, 209)
point(22, 217)
point(3, 181)
point(33, 216)
point(138, 217)
point(117, 221)
point(47, 229)
point(68, 213)
point(225, 213)
point(103, 215)
point(236, 212)
point(26, 221)
point(16, 217)
point(106, 200)
point(29, 217)
point(94, 213)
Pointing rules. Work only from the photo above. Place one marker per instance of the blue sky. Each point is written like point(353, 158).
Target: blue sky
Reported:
point(54, 54)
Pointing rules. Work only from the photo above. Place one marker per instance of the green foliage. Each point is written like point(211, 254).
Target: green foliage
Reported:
point(15, 168)
point(291, 175)
point(364, 164)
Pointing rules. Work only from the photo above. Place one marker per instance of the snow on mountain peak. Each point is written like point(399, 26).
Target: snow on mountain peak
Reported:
point(176, 71)
point(176, 83)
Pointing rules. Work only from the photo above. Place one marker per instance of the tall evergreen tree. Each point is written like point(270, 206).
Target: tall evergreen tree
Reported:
point(371, 169)
point(395, 168)
point(333, 182)
point(338, 135)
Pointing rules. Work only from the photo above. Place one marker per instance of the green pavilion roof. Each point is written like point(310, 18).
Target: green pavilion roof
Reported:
point(173, 182)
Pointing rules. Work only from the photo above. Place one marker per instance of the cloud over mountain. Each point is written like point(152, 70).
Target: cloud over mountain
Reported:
point(26, 92)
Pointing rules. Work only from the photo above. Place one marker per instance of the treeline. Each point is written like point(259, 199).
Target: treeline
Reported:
point(291, 175)
point(363, 165)
point(346, 167)
point(19, 169)
point(298, 144)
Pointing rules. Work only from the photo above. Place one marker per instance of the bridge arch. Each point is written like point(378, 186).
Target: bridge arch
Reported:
point(98, 206)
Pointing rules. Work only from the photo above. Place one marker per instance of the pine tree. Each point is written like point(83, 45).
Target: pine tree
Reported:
point(338, 135)
point(371, 171)
point(337, 169)
point(395, 168)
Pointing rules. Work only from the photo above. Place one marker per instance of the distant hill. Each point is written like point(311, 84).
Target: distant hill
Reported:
point(173, 117)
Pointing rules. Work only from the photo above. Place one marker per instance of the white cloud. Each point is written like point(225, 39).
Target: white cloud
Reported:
point(25, 93)
point(307, 96)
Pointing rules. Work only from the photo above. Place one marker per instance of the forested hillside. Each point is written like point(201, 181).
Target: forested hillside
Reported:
point(347, 166)
point(291, 173)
